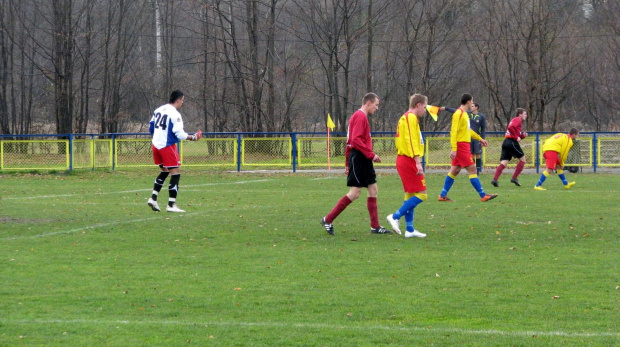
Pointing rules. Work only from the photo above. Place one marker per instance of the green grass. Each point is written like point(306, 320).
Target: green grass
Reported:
point(85, 262)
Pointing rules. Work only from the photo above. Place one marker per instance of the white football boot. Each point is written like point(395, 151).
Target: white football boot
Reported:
point(414, 233)
point(395, 223)
point(153, 204)
point(174, 208)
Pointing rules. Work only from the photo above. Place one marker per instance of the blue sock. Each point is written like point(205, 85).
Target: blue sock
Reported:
point(541, 180)
point(446, 186)
point(563, 178)
point(408, 205)
point(475, 181)
point(409, 220)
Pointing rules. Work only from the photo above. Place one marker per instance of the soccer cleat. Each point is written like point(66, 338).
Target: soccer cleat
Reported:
point(488, 197)
point(414, 233)
point(395, 223)
point(328, 227)
point(515, 181)
point(174, 208)
point(444, 198)
point(539, 188)
point(380, 230)
point(569, 185)
point(495, 184)
point(153, 204)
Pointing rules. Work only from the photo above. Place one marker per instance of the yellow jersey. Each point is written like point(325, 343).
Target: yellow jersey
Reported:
point(460, 130)
point(409, 139)
point(561, 143)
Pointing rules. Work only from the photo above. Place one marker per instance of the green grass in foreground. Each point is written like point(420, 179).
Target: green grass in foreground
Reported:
point(83, 261)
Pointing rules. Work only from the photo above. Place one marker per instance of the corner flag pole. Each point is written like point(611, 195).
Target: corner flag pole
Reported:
point(329, 164)
point(330, 125)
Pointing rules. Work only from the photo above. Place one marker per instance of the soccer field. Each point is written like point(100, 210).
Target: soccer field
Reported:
point(84, 261)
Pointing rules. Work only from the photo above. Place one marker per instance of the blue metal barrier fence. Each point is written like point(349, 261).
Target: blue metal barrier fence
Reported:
point(281, 150)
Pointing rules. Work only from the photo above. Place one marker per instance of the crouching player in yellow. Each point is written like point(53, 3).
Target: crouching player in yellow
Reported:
point(555, 152)
point(410, 149)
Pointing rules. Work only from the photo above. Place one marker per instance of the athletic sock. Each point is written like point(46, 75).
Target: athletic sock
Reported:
point(562, 177)
point(518, 169)
point(498, 171)
point(340, 206)
point(408, 205)
point(479, 165)
point(173, 189)
point(542, 178)
point(447, 185)
point(371, 204)
point(475, 181)
point(409, 220)
point(159, 182)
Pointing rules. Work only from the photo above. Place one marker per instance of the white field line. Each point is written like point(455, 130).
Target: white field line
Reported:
point(316, 326)
point(160, 215)
point(124, 191)
point(328, 178)
point(95, 226)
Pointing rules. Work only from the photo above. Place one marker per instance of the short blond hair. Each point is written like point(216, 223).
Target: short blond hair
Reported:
point(417, 98)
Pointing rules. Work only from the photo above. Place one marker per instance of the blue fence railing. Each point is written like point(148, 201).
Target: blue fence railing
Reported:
point(240, 151)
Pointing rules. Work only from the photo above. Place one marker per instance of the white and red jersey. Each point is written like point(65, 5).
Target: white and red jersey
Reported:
point(166, 126)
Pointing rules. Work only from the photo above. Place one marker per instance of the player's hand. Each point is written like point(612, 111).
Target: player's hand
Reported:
point(484, 143)
point(524, 134)
point(443, 108)
point(376, 159)
point(420, 169)
point(198, 135)
point(346, 170)
point(452, 154)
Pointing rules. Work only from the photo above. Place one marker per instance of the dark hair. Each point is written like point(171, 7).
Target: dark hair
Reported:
point(476, 104)
point(176, 95)
point(520, 111)
point(372, 97)
point(465, 98)
point(573, 131)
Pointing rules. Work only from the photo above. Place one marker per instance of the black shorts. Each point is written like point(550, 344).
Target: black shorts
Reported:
point(511, 149)
point(476, 147)
point(361, 170)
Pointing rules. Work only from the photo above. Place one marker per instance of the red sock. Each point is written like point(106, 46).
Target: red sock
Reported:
point(518, 169)
point(371, 203)
point(340, 206)
point(498, 171)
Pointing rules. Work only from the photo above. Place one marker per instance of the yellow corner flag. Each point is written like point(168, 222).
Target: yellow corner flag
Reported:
point(330, 122)
point(432, 110)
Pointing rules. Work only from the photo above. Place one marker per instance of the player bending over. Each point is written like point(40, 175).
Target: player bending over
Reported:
point(555, 152)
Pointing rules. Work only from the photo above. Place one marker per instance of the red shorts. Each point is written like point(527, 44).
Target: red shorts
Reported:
point(167, 156)
point(463, 155)
point(552, 159)
point(412, 182)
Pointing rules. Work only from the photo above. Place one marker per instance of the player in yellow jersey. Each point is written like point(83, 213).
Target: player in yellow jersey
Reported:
point(555, 151)
point(460, 138)
point(410, 150)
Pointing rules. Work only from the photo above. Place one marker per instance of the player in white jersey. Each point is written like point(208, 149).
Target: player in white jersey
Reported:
point(166, 126)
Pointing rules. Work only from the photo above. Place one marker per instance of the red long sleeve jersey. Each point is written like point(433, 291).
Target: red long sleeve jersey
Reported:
point(358, 135)
point(514, 129)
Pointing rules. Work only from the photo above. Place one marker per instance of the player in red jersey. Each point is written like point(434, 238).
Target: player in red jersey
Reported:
point(512, 149)
point(359, 167)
